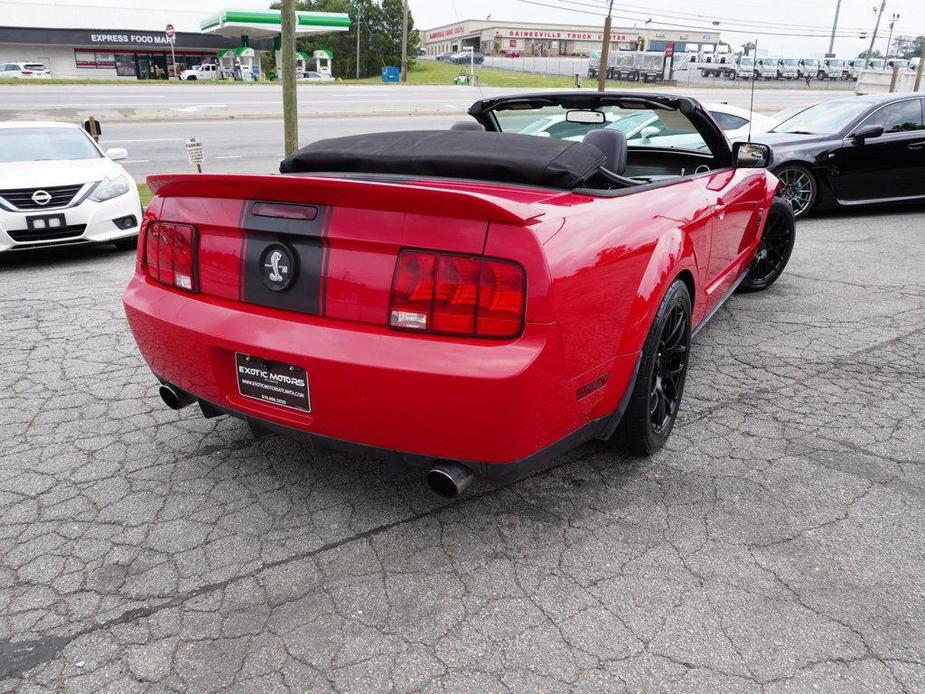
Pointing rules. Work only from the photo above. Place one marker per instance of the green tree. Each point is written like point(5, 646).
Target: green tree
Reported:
point(379, 24)
point(874, 55)
point(748, 47)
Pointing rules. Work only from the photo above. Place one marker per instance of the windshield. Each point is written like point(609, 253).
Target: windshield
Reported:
point(836, 63)
point(829, 117)
point(769, 61)
point(876, 64)
point(789, 61)
point(747, 62)
point(642, 127)
point(810, 62)
point(45, 144)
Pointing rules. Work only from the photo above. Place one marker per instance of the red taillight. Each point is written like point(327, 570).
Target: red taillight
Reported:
point(457, 295)
point(170, 254)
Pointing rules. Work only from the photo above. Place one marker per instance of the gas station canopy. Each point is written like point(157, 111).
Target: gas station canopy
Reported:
point(266, 24)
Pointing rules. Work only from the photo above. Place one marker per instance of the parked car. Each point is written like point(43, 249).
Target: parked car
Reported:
point(901, 63)
point(465, 57)
point(858, 150)
point(645, 128)
point(510, 52)
point(313, 76)
point(57, 187)
point(206, 71)
point(561, 284)
point(446, 56)
point(24, 71)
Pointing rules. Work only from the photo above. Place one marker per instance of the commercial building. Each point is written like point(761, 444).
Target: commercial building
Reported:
point(107, 52)
point(112, 41)
point(496, 37)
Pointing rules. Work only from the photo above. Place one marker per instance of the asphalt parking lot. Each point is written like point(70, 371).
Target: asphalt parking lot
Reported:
point(776, 545)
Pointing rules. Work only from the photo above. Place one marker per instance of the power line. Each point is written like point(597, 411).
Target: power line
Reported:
point(801, 33)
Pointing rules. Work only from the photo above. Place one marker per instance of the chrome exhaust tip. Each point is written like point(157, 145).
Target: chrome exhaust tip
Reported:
point(449, 480)
point(175, 398)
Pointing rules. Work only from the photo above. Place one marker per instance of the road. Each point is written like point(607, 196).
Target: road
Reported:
point(775, 545)
point(202, 101)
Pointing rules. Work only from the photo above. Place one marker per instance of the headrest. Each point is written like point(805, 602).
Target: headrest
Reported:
point(613, 144)
point(467, 125)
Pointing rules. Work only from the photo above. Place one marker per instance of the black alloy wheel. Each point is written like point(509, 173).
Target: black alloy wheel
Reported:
point(774, 249)
point(656, 396)
point(667, 381)
point(798, 187)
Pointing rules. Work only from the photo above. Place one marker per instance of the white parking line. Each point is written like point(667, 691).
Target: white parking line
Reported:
point(135, 161)
point(228, 156)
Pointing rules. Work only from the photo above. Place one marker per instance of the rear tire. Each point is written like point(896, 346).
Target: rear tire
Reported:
point(774, 251)
point(656, 396)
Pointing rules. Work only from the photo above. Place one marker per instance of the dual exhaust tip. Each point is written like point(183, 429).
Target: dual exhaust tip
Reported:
point(449, 480)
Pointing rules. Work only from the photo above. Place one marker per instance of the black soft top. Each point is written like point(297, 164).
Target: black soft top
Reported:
point(488, 156)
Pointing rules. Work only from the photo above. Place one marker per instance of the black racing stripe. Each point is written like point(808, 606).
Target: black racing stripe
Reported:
point(242, 217)
point(325, 230)
point(303, 239)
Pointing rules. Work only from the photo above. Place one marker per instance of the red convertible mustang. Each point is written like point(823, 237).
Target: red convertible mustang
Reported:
point(474, 301)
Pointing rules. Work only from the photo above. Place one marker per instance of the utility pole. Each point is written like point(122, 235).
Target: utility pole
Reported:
point(290, 100)
point(874, 37)
point(830, 54)
point(605, 51)
point(358, 41)
point(893, 19)
point(404, 40)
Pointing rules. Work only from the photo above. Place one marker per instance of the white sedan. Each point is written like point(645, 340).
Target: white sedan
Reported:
point(646, 128)
point(57, 188)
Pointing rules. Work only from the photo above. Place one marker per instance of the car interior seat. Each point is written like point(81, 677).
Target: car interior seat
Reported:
point(613, 145)
point(467, 125)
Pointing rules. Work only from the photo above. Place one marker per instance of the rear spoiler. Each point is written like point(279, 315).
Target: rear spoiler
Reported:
point(345, 192)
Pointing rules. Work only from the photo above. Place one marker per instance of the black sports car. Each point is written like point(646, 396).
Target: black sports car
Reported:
point(859, 150)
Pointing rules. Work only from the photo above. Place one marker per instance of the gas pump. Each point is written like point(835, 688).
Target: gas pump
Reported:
point(238, 64)
point(323, 60)
point(301, 62)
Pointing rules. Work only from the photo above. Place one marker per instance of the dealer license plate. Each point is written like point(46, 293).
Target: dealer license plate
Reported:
point(273, 381)
point(45, 222)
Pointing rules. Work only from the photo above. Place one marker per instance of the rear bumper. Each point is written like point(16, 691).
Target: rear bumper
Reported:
point(413, 397)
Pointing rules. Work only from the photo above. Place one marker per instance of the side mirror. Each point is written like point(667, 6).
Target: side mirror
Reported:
point(751, 155)
point(117, 153)
point(867, 132)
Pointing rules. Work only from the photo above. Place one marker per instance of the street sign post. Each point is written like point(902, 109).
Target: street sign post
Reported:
point(194, 152)
point(171, 39)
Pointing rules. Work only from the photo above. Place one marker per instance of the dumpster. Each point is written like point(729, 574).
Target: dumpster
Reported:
point(391, 74)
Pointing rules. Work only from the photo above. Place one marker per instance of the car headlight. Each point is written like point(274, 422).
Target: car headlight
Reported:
point(112, 187)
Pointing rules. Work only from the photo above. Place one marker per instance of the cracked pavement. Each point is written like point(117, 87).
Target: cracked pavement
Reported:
point(776, 545)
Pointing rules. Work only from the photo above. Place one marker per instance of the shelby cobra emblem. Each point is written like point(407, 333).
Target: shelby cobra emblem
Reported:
point(41, 197)
point(276, 264)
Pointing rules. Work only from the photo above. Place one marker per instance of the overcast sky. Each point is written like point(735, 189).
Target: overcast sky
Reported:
point(740, 20)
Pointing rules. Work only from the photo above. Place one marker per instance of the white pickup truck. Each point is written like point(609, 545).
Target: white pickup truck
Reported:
point(207, 71)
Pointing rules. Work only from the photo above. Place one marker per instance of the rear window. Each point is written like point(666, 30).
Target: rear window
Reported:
point(34, 66)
